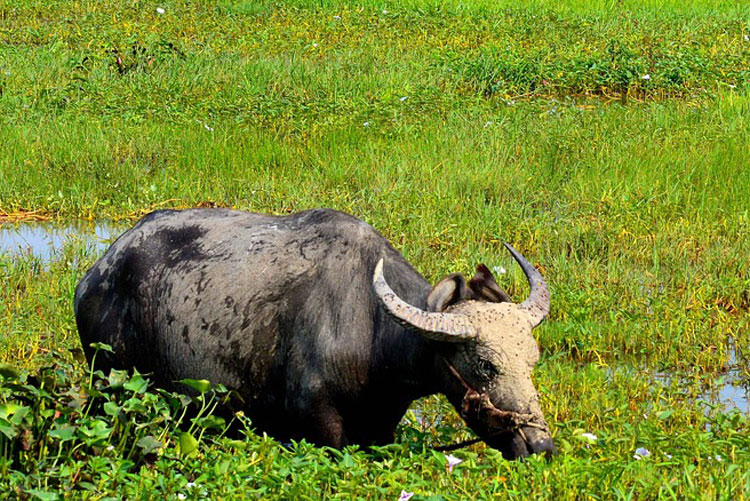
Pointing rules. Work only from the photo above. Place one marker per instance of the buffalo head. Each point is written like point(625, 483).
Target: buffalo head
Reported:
point(487, 353)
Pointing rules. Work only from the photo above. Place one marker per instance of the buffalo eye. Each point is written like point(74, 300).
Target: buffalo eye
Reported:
point(486, 367)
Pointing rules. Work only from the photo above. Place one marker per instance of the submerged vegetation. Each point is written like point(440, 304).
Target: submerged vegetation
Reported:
point(606, 142)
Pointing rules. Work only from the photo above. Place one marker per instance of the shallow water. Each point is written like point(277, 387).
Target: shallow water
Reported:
point(729, 390)
point(734, 395)
point(45, 241)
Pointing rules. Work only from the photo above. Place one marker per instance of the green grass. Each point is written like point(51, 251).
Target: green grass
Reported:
point(118, 435)
point(636, 213)
point(451, 127)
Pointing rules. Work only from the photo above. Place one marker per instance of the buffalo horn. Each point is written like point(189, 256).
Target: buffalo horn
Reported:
point(436, 326)
point(537, 304)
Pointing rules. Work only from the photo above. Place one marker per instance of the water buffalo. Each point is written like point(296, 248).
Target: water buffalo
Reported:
point(322, 327)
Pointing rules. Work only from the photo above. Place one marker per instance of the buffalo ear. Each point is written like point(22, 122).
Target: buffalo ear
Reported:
point(448, 291)
point(483, 287)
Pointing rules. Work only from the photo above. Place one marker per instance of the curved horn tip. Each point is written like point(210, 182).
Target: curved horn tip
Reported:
point(510, 248)
point(537, 303)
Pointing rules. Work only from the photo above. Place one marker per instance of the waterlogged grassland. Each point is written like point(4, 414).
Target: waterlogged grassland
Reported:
point(450, 127)
point(637, 214)
point(92, 442)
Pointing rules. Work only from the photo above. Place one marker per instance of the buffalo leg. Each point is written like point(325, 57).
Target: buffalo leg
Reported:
point(328, 427)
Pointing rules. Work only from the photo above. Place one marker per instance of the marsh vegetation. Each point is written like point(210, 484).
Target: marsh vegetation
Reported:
point(608, 144)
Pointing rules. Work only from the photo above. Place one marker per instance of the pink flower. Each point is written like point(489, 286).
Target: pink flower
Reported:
point(405, 496)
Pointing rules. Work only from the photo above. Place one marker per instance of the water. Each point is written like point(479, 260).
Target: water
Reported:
point(733, 394)
point(729, 390)
point(726, 392)
point(45, 241)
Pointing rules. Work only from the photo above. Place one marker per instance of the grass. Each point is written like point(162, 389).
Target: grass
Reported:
point(451, 127)
point(115, 434)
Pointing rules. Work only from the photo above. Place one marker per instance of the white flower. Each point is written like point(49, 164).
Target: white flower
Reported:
point(315, 44)
point(403, 98)
point(110, 448)
point(366, 124)
point(590, 437)
point(668, 456)
point(159, 10)
point(732, 86)
point(337, 18)
point(181, 496)
point(385, 11)
point(452, 461)
point(641, 452)
point(207, 127)
point(487, 124)
point(499, 269)
point(747, 38)
point(405, 496)
point(190, 485)
point(646, 77)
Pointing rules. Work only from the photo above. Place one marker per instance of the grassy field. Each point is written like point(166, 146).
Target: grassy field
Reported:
point(607, 142)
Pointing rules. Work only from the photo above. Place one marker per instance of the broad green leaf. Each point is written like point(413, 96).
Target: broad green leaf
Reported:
point(94, 432)
point(188, 444)
point(19, 414)
point(43, 495)
point(237, 444)
point(347, 461)
point(117, 378)
point(102, 346)
point(111, 408)
point(137, 384)
point(88, 486)
point(211, 422)
point(6, 410)
point(148, 444)
point(133, 405)
point(200, 385)
point(63, 433)
point(8, 430)
point(224, 467)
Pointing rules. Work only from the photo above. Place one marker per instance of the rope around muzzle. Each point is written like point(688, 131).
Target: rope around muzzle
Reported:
point(478, 407)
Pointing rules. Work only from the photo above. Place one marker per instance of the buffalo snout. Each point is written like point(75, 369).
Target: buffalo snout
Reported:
point(523, 443)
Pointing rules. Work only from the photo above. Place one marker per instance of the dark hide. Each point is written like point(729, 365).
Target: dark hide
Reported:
point(280, 309)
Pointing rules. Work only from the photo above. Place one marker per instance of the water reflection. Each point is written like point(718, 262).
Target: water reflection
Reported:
point(729, 390)
point(45, 241)
point(726, 392)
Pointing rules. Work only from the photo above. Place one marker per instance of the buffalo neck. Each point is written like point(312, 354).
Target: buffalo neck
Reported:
point(403, 359)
